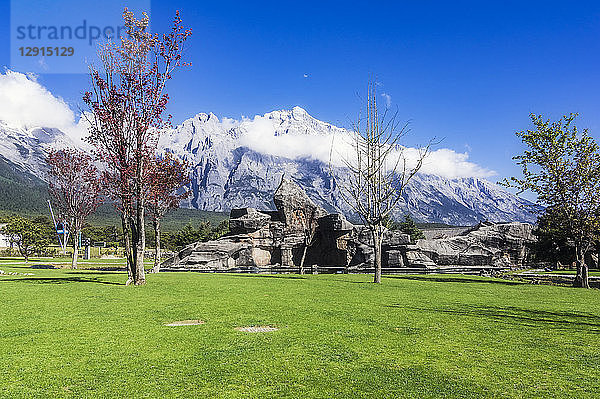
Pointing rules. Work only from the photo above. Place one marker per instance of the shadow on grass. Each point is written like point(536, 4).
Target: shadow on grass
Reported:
point(30, 266)
point(259, 275)
point(94, 271)
point(42, 266)
point(59, 280)
point(370, 281)
point(526, 317)
point(456, 279)
point(104, 270)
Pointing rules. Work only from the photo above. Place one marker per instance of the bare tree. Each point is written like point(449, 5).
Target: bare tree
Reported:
point(379, 170)
point(308, 219)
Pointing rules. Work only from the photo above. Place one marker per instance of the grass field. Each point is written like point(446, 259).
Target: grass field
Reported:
point(70, 333)
point(65, 263)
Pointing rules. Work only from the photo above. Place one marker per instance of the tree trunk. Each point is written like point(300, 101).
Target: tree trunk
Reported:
point(302, 260)
point(75, 250)
point(377, 260)
point(581, 278)
point(140, 243)
point(584, 275)
point(156, 268)
point(128, 253)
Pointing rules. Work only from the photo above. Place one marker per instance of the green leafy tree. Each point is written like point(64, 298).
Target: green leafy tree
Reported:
point(561, 165)
point(408, 226)
point(111, 235)
point(553, 244)
point(30, 236)
point(190, 234)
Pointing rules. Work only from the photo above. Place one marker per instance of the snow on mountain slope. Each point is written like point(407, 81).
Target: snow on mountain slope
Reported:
point(234, 166)
point(28, 148)
point(240, 163)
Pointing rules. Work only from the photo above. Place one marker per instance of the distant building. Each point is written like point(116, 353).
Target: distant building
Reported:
point(4, 238)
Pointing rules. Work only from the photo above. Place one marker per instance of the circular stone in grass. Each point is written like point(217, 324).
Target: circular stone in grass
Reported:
point(257, 329)
point(185, 323)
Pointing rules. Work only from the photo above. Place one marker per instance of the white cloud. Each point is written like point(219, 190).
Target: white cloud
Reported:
point(388, 99)
point(442, 162)
point(25, 103)
point(448, 163)
point(261, 135)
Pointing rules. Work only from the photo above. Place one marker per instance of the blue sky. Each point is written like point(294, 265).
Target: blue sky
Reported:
point(467, 72)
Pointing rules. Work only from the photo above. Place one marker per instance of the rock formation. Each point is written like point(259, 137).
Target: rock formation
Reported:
point(269, 239)
point(277, 240)
point(502, 245)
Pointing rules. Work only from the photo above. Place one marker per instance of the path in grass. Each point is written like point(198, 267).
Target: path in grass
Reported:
point(83, 334)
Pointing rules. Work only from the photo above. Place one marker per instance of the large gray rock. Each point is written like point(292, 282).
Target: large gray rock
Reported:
point(335, 222)
point(394, 257)
point(245, 220)
point(213, 255)
point(362, 253)
point(419, 259)
point(483, 245)
point(395, 238)
point(267, 239)
point(295, 208)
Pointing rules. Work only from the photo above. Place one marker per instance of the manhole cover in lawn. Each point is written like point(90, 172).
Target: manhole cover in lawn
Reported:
point(185, 323)
point(257, 329)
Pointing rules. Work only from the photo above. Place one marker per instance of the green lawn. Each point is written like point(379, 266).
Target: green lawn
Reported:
point(83, 334)
point(65, 262)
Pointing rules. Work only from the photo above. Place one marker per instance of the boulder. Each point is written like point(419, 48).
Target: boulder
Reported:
point(395, 238)
point(245, 220)
point(482, 245)
point(215, 255)
point(261, 239)
point(416, 258)
point(362, 254)
point(334, 222)
point(393, 258)
point(296, 210)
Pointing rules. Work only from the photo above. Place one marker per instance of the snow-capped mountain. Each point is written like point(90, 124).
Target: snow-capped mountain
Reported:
point(233, 167)
point(240, 164)
point(27, 147)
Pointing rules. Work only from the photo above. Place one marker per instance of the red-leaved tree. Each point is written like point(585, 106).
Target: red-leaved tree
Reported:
point(167, 177)
point(127, 100)
point(74, 188)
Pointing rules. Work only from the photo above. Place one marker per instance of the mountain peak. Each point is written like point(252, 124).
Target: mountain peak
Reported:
point(204, 117)
point(296, 113)
point(297, 110)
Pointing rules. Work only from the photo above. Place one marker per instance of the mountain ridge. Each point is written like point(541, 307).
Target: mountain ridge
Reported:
point(239, 163)
point(230, 171)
